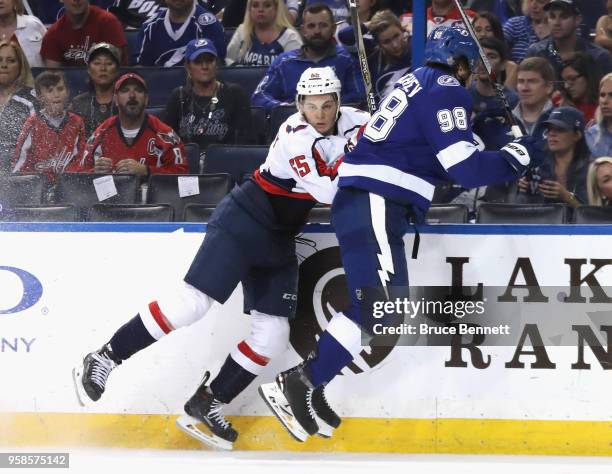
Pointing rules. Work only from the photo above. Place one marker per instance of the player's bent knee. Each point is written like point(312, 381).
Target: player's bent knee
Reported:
point(269, 338)
point(176, 309)
point(269, 334)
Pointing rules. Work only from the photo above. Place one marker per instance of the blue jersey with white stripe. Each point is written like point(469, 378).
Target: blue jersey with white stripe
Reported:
point(421, 136)
point(162, 43)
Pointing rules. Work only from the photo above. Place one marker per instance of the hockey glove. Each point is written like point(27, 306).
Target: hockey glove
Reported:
point(523, 153)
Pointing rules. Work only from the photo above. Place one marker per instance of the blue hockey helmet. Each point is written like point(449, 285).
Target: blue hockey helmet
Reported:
point(446, 44)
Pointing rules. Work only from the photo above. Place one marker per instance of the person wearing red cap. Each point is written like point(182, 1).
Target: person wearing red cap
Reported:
point(133, 141)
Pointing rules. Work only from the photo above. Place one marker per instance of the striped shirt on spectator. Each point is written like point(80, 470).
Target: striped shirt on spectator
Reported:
point(519, 35)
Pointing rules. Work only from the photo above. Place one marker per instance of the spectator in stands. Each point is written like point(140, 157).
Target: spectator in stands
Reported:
point(319, 50)
point(82, 25)
point(580, 76)
point(534, 87)
point(599, 181)
point(563, 176)
point(483, 91)
point(603, 29)
point(27, 30)
point(599, 135)
point(387, 47)
point(339, 9)
point(441, 12)
point(564, 19)
point(95, 106)
point(51, 141)
point(133, 141)
point(487, 25)
point(17, 100)
point(523, 31)
point(502, 9)
point(207, 110)
point(163, 39)
point(265, 33)
point(133, 13)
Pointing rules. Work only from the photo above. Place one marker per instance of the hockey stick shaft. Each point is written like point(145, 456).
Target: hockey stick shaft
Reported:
point(516, 130)
point(363, 58)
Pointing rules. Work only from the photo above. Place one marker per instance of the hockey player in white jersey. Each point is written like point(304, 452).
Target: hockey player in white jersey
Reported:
point(419, 137)
point(249, 240)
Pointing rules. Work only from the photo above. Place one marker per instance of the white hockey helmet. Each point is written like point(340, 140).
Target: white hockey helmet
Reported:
point(318, 80)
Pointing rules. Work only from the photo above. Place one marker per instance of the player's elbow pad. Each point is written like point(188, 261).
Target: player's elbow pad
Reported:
point(516, 155)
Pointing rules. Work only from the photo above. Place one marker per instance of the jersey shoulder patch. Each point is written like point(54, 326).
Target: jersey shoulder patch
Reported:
point(207, 19)
point(447, 80)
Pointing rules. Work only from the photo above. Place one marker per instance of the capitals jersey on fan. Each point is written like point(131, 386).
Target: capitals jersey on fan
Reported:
point(46, 148)
point(419, 137)
point(302, 165)
point(453, 18)
point(162, 43)
point(156, 146)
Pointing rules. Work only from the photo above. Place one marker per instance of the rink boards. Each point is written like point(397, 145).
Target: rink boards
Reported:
point(65, 288)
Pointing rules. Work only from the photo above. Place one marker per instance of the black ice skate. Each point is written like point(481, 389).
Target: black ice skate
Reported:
point(290, 399)
point(91, 375)
point(204, 409)
point(328, 419)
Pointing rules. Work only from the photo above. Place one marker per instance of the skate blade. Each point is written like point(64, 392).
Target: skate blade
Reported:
point(81, 394)
point(325, 430)
point(277, 402)
point(189, 426)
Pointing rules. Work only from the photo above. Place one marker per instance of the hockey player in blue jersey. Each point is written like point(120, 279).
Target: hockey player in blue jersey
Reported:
point(249, 240)
point(419, 137)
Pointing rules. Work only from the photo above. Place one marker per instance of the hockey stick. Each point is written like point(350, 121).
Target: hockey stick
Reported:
point(516, 130)
point(363, 59)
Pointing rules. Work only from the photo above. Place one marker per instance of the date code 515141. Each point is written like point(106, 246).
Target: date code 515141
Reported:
point(36, 460)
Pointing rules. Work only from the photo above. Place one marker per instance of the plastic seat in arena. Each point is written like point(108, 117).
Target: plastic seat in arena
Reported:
point(164, 189)
point(18, 190)
point(593, 215)
point(160, 82)
point(236, 160)
point(246, 76)
point(493, 213)
point(259, 121)
point(278, 115)
point(130, 213)
point(79, 189)
point(193, 158)
point(40, 214)
point(157, 111)
point(194, 212)
point(447, 214)
point(229, 32)
point(133, 47)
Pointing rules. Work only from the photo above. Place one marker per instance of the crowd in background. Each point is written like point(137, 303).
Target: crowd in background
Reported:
point(553, 59)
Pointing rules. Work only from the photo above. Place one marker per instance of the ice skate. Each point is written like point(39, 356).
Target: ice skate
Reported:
point(327, 418)
point(204, 411)
point(90, 376)
point(290, 399)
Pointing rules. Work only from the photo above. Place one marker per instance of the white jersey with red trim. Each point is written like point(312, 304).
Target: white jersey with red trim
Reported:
point(302, 163)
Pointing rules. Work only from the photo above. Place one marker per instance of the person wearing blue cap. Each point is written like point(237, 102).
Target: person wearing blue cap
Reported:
point(207, 110)
point(562, 176)
point(564, 41)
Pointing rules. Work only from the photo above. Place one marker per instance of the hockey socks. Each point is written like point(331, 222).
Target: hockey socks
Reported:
point(131, 338)
point(337, 346)
point(231, 380)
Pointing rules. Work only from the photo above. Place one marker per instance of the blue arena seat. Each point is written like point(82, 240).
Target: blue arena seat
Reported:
point(163, 189)
point(278, 115)
point(236, 160)
point(40, 214)
point(593, 215)
point(130, 213)
point(246, 76)
point(494, 213)
point(193, 158)
point(18, 190)
point(447, 214)
point(133, 47)
point(157, 111)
